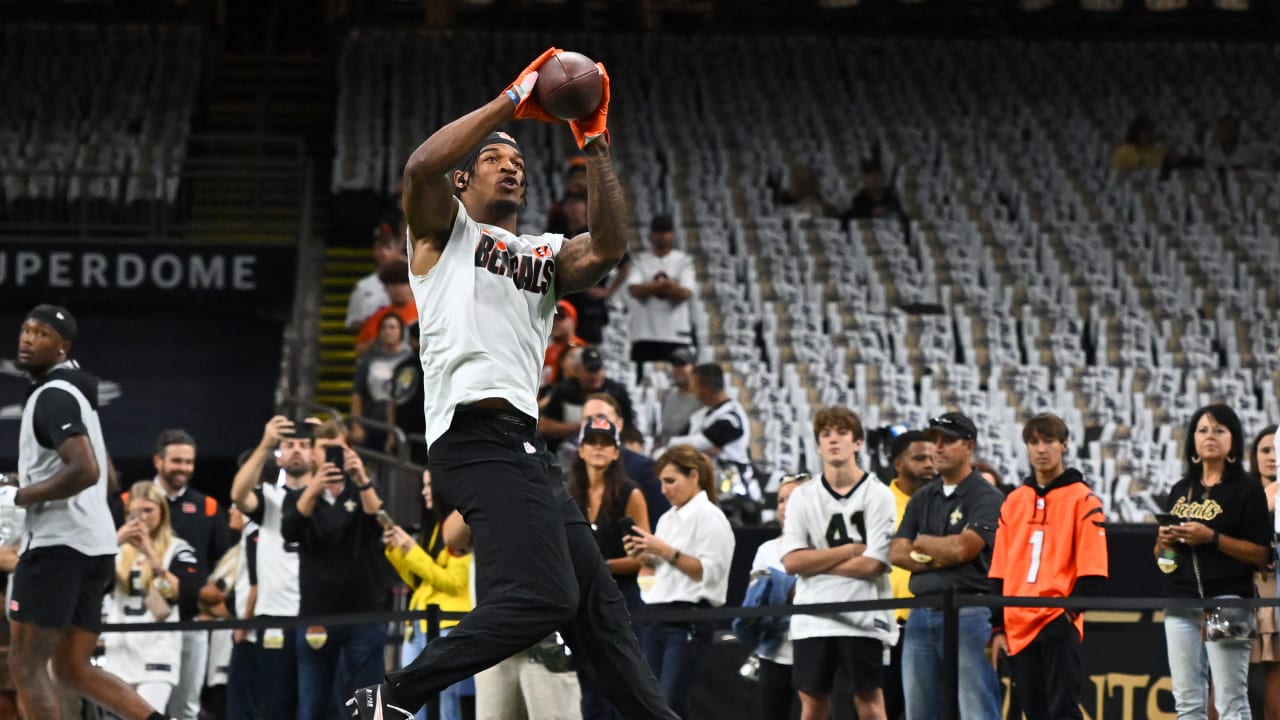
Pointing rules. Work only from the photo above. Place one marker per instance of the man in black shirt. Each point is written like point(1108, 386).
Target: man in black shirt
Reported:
point(585, 374)
point(945, 540)
point(341, 570)
point(197, 519)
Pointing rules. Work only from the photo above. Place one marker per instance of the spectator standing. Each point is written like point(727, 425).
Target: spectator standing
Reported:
point(369, 295)
point(153, 567)
point(575, 183)
point(334, 521)
point(1223, 536)
point(639, 467)
point(721, 429)
point(690, 551)
point(436, 575)
point(592, 304)
point(263, 500)
point(911, 455)
point(395, 278)
point(1052, 543)
point(242, 671)
point(374, 377)
point(837, 544)
point(564, 335)
point(944, 541)
point(197, 519)
point(407, 395)
point(613, 505)
point(679, 402)
point(875, 200)
point(561, 417)
point(774, 651)
point(661, 284)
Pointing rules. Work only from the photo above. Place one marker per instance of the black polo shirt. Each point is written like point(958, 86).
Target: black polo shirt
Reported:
point(974, 504)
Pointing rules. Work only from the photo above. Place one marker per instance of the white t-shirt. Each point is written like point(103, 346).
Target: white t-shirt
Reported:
point(818, 518)
point(368, 295)
point(656, 319)
point(278, 593)
point(767, 558)
point(485, 312)
point(699, 529)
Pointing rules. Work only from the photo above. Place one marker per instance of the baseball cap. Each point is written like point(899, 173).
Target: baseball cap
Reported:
point(682, 356)
point(599, 425)
point(564, 307)
point(953, 425)
point(591, 360)
point(902, 441)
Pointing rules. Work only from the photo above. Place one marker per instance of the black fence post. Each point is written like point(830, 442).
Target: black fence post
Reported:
point(433, 633)
point(950, 656)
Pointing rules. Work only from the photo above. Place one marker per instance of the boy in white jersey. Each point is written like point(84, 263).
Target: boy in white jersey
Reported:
point(486, 300)
point(836, 540)
point(69, 545)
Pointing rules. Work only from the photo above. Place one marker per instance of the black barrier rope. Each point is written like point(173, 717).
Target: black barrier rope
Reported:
point(655, 615)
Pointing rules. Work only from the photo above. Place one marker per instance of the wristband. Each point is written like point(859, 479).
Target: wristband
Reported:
point(675, 557)
point(1213, 541)
point(365, 486)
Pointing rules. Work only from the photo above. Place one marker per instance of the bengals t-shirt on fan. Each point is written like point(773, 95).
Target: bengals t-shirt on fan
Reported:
point(1048, 538)
point(1236, 508)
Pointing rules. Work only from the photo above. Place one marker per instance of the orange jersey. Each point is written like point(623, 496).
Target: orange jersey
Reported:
point(369, 331)
point(1047, 539)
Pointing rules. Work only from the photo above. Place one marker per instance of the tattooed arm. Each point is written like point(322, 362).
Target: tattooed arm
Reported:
point(584, 259)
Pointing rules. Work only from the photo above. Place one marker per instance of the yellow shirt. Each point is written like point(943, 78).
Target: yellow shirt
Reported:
point(444, 580)
point(1129, 157)
point(898, 577)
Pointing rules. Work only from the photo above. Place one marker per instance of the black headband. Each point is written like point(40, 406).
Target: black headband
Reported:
point(497, 138)
point(58, 318)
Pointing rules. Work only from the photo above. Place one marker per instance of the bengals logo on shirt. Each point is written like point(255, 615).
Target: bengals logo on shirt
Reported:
point(533, 272)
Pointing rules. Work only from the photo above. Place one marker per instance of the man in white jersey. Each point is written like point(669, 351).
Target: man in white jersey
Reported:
point(836, 540)
point(69, 544)
point(486, 299)
point(262, 501)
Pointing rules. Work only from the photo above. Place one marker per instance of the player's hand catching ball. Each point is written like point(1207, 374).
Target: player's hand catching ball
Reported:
point(593, 127)
point(520, 91)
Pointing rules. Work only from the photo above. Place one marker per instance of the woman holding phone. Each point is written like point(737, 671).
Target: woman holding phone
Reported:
point(150, 568)
point(1220, 537)
point(691, 551)
point(437, 576)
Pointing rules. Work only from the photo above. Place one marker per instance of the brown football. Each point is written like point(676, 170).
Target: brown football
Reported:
point(569, 86)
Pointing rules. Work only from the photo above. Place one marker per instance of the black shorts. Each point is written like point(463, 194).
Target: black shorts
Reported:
point(817, 660)
point(56, 587)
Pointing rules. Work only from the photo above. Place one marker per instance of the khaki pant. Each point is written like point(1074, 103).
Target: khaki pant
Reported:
point(518, 689)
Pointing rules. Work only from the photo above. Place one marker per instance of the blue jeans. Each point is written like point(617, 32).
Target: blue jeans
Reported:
point(450, 697)
point(922, 666)
point(1192, 661)
point(356, 650)
point(676, 652)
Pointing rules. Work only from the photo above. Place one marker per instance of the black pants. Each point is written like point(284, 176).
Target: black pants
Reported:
point(776, 694)
point(538, 569)
point(1048, 675)
point(895, 706)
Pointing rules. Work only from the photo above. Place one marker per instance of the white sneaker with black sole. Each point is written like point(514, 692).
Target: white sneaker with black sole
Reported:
point(368, 704)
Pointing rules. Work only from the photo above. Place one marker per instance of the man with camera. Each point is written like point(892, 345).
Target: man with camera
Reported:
point(337, 523)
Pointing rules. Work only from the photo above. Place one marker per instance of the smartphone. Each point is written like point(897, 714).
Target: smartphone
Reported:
point(1166, 519)
point(385, 520)
point(333, 454)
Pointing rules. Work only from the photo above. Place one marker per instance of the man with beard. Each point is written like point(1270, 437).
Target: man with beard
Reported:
point(197, 519)
point(69, 542)
point(262, 500)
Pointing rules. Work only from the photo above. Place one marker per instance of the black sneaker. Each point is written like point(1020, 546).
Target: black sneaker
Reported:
point(368, 704)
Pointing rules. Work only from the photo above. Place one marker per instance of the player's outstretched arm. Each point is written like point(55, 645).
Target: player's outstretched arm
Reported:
point(584, 259)
point(427, 189)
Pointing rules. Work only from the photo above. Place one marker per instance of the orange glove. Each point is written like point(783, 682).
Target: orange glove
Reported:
point(520, 91)
point(593, 126)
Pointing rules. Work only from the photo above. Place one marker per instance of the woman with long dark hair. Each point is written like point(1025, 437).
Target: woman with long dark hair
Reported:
point(1218, 535)
point(614, 506)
